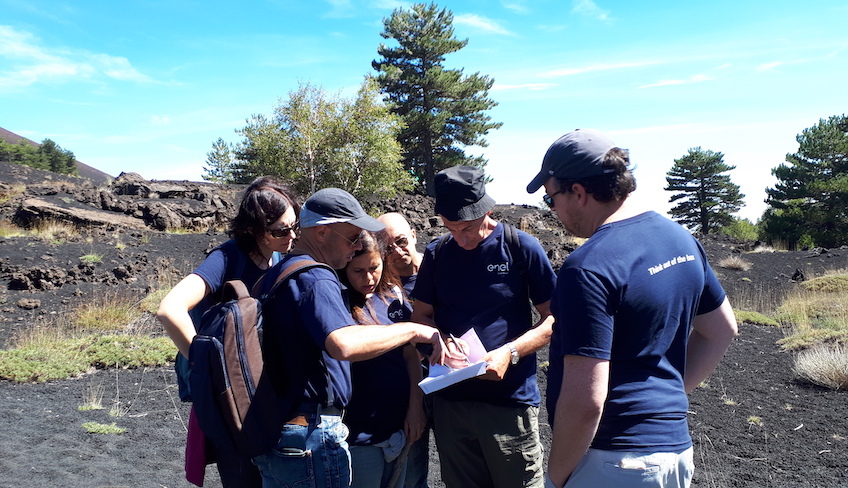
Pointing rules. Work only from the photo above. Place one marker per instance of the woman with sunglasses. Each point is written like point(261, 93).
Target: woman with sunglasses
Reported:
point(385, 412)
point(265, 224)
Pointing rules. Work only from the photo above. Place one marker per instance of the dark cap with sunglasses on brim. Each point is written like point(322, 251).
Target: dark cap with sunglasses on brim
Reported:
point(334, 206)
point(461, 194)
point(578, 154)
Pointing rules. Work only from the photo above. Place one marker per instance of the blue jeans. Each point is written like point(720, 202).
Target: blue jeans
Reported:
point(311, 456)
point(370, 469)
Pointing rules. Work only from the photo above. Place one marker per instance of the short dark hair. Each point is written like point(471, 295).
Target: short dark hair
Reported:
point(615, 185)
point(263, 202)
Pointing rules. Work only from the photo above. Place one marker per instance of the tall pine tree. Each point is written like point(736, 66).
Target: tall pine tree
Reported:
point(706, 197)
point(809, 203)
point(443, 111)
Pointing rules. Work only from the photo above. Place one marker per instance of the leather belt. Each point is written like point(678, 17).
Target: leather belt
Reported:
point(303, 416)
point(299, 420)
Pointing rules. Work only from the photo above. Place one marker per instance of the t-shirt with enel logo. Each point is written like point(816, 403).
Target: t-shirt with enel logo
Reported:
point(484, 288)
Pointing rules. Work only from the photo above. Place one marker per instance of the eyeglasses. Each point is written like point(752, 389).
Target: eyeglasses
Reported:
point(353, 242)
point(400, 243)
point(549, 199)
point(284, 231)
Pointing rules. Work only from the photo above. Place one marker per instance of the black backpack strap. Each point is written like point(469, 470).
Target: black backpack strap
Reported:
point(514, 245)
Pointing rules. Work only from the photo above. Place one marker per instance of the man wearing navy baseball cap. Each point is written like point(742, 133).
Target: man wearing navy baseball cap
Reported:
point(308, 331)
point(640, 320)
point(486, 278)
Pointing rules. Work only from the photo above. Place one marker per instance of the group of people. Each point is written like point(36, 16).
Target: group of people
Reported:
point(635, 320)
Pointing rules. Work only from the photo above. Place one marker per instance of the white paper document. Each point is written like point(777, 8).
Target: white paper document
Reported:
point(444, 376)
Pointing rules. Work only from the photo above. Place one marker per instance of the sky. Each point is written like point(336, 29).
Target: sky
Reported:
point(149, 86)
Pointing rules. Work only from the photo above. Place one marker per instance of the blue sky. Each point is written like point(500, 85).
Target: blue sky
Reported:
point(148, 86)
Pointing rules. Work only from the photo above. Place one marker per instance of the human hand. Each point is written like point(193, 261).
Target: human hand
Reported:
point(429, 343)
point(497, 363)
point(457, 356)
point(414, 423)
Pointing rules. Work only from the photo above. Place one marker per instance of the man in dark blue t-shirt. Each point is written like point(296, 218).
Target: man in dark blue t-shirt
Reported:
point(404, 259)
point(487, 430)
point(640, 320)
point(309, 319)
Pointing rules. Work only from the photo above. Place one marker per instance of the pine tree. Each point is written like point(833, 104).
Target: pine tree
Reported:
point(706, 197)
point(809, 203)
point(443, 111)
point(219, 163)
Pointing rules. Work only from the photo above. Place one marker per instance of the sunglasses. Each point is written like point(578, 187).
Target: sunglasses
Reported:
point(400, 243)
point(284, 231)
point(353, 242)
point(549, 199)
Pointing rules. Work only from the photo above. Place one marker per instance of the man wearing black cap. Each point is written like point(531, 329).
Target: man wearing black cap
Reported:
point(641, 320)
point(309, 319)
point(480, 278)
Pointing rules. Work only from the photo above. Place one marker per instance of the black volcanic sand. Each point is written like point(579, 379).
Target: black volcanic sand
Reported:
point(799, 441)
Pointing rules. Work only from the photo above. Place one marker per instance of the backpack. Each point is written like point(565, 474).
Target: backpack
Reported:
point(235, 400)
point(236, 261)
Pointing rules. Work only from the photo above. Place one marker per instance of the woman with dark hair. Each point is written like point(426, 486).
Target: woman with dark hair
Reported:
point(265, 224)
point(385, 411)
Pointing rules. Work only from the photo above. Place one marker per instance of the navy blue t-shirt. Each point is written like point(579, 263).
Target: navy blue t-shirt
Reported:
point(381, 385)
point(482, 288)
point(220, 266)
point(298, 319)
point(629, 295)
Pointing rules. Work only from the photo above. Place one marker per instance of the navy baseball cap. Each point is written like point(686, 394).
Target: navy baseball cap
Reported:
point(333, 206)
point(578, 154)
point(461, 194)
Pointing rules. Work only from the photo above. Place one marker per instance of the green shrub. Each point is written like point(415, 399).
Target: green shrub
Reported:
point(748, 317)
point(96, 428)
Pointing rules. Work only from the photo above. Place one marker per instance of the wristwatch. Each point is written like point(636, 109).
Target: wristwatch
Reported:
point(513, 352)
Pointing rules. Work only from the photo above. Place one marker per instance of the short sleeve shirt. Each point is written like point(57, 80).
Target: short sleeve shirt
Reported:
point(298, 319)
point(628, 295)
point(485, 288)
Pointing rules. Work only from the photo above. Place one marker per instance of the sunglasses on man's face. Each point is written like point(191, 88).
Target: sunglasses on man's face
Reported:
point(283, 231)
point(549, 199)
point(400, 243)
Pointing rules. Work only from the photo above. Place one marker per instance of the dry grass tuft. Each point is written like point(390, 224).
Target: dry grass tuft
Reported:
point(830, 283)
point(824, 365)
point(735, 263)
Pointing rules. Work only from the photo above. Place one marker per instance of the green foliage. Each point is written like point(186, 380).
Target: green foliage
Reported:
point(741, 230)
point(61, 358)
point(219, 163)
point(42, 362)
point(706, 197)
point(316, 141)
point(96, 428)
point(128, 351)
point(749, 317)
point(809, 202)
point(92, 258)
point(442, 110)
point(48, 156)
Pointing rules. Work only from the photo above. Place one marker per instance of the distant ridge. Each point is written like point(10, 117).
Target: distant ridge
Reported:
point(85, 171)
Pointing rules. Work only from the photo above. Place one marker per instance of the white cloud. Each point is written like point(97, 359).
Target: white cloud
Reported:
point(516, 6)
point(688, 81)
point(770, 66)
point(159, 120)
point(588, 8)
point(481, 23)
point(597, 67)
point(33, 63)
point(340, 9)
point(525, 86)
